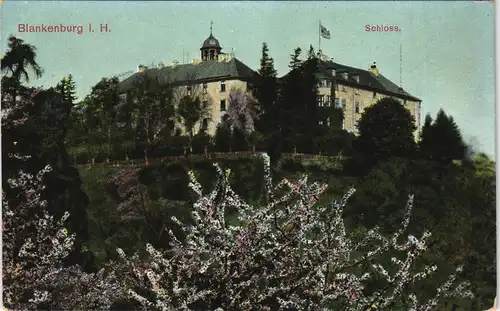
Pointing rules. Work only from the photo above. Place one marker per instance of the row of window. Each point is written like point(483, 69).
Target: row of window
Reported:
point(222, 88)
point(325, 101)
point(328, 83)
point(222, 105)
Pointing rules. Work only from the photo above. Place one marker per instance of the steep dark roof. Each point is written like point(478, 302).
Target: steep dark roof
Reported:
point(367, 80)
point(206, 71)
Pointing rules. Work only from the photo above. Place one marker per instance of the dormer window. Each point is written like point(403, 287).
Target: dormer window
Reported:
point(333, 73)
point(189, 90)
point(223, 86)
point(356, 78)
point(345, 75)
point(204, 88)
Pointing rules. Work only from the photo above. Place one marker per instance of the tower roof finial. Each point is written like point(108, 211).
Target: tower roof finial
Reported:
point(211, 24)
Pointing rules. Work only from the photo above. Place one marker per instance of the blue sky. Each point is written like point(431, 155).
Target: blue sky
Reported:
point(448, 47)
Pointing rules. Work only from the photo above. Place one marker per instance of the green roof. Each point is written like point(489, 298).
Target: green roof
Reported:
point(206, 71)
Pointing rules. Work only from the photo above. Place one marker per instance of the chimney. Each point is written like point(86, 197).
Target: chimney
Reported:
point(374, 69)
point(141, 68)
point(174, 63)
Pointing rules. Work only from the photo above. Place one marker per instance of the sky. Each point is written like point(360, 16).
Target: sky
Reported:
point(447, 47)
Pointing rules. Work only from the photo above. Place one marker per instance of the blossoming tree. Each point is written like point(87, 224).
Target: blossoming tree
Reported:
point(289, 254)
point(34, 245)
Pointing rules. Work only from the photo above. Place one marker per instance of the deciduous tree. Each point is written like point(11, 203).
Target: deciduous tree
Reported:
point(289, 254)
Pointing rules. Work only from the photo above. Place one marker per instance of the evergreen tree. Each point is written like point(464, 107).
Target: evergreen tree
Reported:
point(70, 89)
point(442, 141)
point(425, 132)
point(311, 54)
point(265, 93)
point(295, 61)
point(298, 107)
point(266, 63)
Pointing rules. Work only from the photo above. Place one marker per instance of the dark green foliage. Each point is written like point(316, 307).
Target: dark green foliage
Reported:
point(456, 202)
point(299, 113)
point(333, 141)
point(223, 137)
point(425, 132)
point(311, 54)
point(266, 92)
point(442, 141)
point(20, 57)
point(67, 88)
point(386, 129)
point(450, 204)
point(295, 61)
point(202, 143)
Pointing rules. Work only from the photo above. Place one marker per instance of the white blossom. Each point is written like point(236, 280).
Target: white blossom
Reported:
point(289, 254)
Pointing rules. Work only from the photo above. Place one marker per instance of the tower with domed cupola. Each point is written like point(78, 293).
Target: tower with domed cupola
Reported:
point(211, 48)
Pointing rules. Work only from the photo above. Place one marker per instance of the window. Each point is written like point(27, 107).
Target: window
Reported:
point(320, 100)
point(356, 107)
point(374, 94)
point(204, 88)
point(328, 121)
point(343, 104)
point(337, 102)
point(323, 83)
point(333, 72)
point(320, 122)
point(189, 90)
point(336, 87)
point(223, 86)
point(223, 105)
point(404, 103)
point(205, 104)
point(345, 75)
point(328, 100)
point(328, 83)
point(205, 123)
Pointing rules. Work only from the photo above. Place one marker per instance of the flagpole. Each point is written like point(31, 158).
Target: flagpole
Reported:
point(319, 36)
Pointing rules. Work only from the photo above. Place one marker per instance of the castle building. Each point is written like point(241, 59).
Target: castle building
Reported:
point(211, 78)
point(354, 90)
point(215, 74)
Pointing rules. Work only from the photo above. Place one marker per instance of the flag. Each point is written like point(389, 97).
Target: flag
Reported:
point(324, 32)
